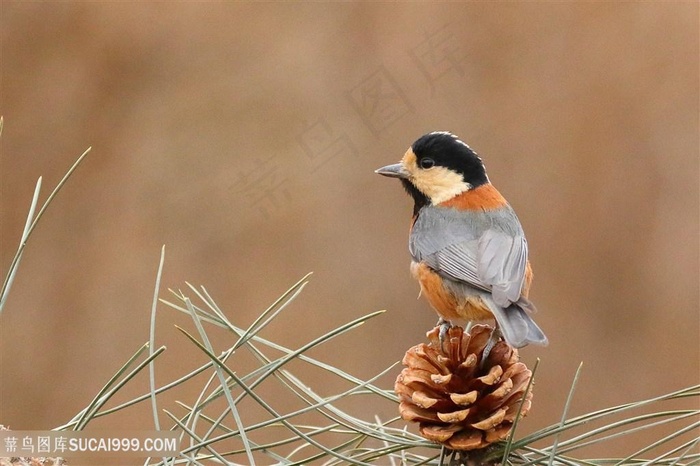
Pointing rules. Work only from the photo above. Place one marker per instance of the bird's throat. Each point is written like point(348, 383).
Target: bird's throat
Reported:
point(420, 200)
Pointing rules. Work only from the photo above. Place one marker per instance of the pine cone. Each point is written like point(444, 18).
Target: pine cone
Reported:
point(458, 400)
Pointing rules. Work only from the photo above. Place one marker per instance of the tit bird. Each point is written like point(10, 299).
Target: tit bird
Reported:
point(468, 248)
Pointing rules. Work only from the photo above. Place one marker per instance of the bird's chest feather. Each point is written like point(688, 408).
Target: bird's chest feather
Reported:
point(447, 301)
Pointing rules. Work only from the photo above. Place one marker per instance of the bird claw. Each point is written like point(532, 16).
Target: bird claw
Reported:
point(493, 339)
point(445, 326)
point(496, 334)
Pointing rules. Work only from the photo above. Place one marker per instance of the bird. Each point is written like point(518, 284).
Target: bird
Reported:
point(468, 249)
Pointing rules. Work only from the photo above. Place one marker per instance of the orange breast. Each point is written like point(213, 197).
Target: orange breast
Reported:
point(528, 280)
point(445, 303)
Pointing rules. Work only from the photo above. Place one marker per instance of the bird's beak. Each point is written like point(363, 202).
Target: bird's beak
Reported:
point(396, 170)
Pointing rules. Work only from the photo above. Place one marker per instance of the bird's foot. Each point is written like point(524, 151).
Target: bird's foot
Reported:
point(445, 326)
point(493, 339)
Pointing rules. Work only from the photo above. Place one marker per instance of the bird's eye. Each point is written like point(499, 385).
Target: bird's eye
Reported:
point(427, 162)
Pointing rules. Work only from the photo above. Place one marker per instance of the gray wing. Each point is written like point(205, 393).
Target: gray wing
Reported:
point(486, 250)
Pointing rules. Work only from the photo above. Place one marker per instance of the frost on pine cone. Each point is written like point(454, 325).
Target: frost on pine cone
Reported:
point(458, 400)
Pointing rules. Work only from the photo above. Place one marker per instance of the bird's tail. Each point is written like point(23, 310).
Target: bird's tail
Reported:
point(516, 324)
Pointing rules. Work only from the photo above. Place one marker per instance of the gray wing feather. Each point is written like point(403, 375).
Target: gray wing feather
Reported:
point(501, 264)
point(459, 262)
point(517, 326)
point(514, 321)
point(484, 249)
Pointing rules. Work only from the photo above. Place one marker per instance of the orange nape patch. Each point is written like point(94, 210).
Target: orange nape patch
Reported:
point(485, 197)
point(445, 303)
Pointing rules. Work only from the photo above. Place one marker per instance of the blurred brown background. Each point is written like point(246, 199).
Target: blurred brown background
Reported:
point(244, 138)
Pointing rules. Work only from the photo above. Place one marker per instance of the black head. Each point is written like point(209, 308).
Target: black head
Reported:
point(444, 149)
point(436, 168)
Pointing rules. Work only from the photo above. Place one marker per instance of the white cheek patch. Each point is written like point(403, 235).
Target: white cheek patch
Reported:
point(409, 161)
point(440, 184)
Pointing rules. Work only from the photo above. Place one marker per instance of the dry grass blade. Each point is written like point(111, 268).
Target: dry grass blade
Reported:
point(152, 341)
point(565, 413)
point(193, 435)
point(10, 277)
point(240, 383)
point(110, 388)
point(218, 366)
point(509, 442)
point(32, 223)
